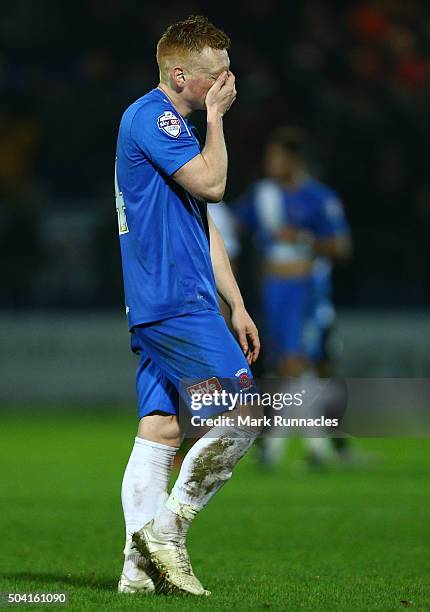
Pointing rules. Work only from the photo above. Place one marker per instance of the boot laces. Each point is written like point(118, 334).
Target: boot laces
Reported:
point(183, 560)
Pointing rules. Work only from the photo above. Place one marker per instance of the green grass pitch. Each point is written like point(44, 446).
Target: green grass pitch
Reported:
point(337, 539)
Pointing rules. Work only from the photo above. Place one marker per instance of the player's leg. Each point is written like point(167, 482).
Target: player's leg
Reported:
point(284, 301)
point(208, 350)
point(146, 477)
point(319, 449)
point(273, 310)
point(207, 466)
point(292, 361)
point(284, 304)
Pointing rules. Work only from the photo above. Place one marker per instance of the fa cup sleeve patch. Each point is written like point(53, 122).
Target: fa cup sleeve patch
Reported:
point(169, 123)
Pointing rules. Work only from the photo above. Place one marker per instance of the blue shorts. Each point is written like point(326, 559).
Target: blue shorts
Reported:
point(191, 353)
point(287, 307)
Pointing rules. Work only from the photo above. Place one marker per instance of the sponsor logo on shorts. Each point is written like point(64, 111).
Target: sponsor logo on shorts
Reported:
point(169, 124)
point(205, 387)
point(244, 379)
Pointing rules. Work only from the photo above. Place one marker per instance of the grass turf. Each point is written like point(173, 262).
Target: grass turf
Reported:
point(338, 539)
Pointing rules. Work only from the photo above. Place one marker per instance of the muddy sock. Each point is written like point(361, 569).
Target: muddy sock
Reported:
point(206, 467)
point(173, 525)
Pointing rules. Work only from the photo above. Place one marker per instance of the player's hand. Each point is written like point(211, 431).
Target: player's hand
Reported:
point(222, 94)
point(290, 233)
point(247, 333)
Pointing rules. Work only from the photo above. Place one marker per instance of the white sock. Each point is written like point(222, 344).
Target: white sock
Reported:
point(206, 468)
point(144, 491)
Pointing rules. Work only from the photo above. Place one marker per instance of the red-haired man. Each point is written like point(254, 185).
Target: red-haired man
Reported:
point(174, 263)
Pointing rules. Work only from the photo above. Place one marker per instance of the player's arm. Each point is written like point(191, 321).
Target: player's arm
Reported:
point(338, 248)
point(228, 289)
point(205, 175)
point(330, 235)
point(334, 240)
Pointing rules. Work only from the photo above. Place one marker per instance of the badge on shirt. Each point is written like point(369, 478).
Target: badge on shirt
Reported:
point(170, 124)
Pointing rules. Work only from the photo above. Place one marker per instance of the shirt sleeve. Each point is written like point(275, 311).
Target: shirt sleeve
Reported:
point(331, 220)
point(164, 138)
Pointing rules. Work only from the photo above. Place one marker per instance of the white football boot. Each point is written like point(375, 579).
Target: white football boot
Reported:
point(172, 562)
point(141, 577)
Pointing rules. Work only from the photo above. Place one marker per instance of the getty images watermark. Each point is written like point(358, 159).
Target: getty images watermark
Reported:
point(310, 407)
point(230, 401)
point(227, 402)
point(276, 406)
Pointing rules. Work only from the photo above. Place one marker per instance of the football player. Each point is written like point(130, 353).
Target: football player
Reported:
point(174, 263)
point(295, 221)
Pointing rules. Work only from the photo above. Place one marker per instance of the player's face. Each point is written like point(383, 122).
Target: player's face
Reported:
point(206, 68)
point(277, 162)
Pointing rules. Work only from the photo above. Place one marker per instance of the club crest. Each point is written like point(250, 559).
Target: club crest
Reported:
point(245, 380)
point(169, 123)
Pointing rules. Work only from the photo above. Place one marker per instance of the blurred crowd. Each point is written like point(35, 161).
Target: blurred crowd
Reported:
point(356, 75)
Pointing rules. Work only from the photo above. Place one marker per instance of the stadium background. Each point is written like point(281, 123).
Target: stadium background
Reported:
point(356, 75)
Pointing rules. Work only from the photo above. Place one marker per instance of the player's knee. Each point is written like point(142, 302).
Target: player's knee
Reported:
point(160, 428)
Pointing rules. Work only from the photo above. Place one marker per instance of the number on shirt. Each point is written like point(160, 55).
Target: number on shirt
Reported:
point(120, 208)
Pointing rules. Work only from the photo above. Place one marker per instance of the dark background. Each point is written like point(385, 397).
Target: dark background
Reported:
point(356, 75)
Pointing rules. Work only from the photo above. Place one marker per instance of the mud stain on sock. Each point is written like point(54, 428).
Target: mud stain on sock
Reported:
point(179, 523)
point(212, 467)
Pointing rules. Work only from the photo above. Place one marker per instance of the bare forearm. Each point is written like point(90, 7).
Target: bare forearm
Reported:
point(215, 154)
point(227, 286)
point(205, 175)
point(218, 100)
point(336, 248)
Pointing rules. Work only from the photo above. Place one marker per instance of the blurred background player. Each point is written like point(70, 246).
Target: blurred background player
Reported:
point(299, 226)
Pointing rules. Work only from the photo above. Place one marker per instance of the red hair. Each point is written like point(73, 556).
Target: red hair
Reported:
point(185, 38)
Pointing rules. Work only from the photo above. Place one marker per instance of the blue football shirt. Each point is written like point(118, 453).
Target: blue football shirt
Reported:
point(310, 206)
point(163, 230)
